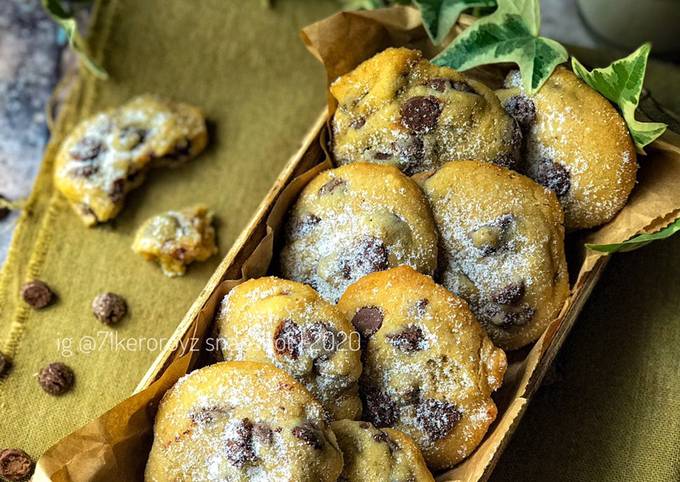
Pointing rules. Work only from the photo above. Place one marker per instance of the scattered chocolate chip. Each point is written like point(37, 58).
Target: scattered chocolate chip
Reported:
point(510, 294)
point(308, 436)
point(409, 340)
point(358, 122)
point(37, 294)
point(4, 364)
point(56, 378)
point(306, 223)
point(420, 114)
point(262, 433)
point(287, 339)
point(4, 210)
point(16, 465)
point(330, 186)
point(206, 415)
point(437, 417)
point(367, 256)
point(109, 308)
point(522, 109)
point(381, 411)
point(421, 307)
point(86, 149)
point(554, 176)
point(368, 320)
point(239, 444)
point(117, 192)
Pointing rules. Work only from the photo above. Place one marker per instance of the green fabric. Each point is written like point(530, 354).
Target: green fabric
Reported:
point(612, 409)
point(247, 68)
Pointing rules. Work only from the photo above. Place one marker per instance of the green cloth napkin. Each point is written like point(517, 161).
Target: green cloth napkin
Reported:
point(247, 68)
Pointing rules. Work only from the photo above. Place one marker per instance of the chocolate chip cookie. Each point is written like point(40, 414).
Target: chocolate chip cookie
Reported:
point(399, 109)
point(109, 154)
point(501, 247)
point(242, 421)
point(378, 454)
point(289, 325)
point(429, 367)
point(577, 145)
point(176, 239)
point(355, 220)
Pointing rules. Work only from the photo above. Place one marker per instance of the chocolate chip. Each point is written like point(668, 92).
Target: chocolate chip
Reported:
point(86, 149)
point(409, 340)
point(368, 320)
point(56, 378)
point(358, 122)
point(506, 315)
point(131, 137)
point(117, 192)
point(239, 444)
point(381, 437)
point(412, 153)
point(179, 254)
point(16, 465)
point(287, 339)
point(207, 415)
point(420, 114)
point(306, 223)
point(461, 86)
point(4, 364)
point(320, 336)
point(181, 151)
point(330, 186)
point(437, 417)
point(37, 294)
point(381, 410)
point(263, 433)
point(368, 255)
point(109, 308)
point(364, 425)
point(510, 294)
point(520, 316)
point(85, 170)
point(308, 435)
point(441, 85)
point(522, 109)
point(554, 176)
point(382, 156)
point(4, 210)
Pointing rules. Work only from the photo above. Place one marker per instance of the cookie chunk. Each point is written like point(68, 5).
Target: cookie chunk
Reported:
point(289, 325)
point(242, 421)
point(355, 220)
point(429, 367)
point(577, 145)
point(109, 154)
point(501, 248)
point(177, 238)
point(378, 454)
point(399, 109)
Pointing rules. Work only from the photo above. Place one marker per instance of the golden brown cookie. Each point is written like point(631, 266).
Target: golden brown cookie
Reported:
point(577, 144)
point(242, 421)
point(289, 325)
point(501, 248)
point(176, 239)
point(354, 220)
point(399, 109)
point(109, 154)
point(429, 367)
point(373, 454)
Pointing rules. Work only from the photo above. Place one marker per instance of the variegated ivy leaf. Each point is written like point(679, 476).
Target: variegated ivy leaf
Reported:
point(637, 241)
point(510, 34)
point(439, 16)
point(66, 21)
point(621, 83)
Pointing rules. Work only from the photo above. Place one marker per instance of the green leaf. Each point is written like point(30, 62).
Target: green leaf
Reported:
point(637, 241)
point(510, 34)
point(621, 82)
point(439, 16)
point(66, 21)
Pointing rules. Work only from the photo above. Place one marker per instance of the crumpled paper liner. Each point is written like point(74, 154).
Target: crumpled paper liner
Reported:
point(114, 447)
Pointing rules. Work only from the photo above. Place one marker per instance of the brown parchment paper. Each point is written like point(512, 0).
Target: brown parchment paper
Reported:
point(114, 447)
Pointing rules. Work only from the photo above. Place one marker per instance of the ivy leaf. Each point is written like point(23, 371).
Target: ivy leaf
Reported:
point(66, 21)
point(439, 16)
point(621, 83)
point(637, 241)
point(510, 34)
